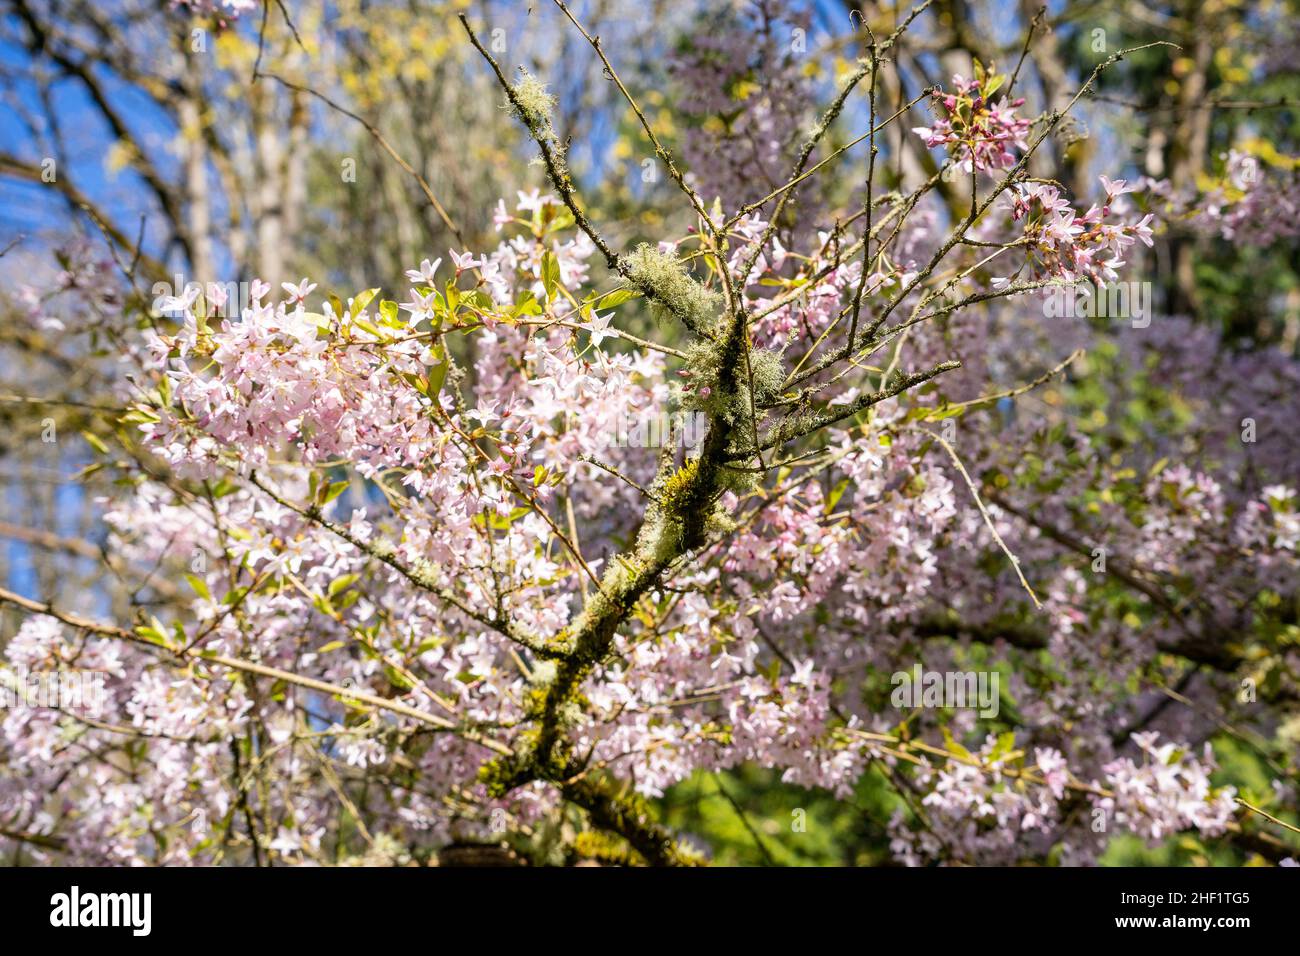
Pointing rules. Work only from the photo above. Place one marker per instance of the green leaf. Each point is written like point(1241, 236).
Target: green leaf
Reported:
point(836, 494)
point(1006, 743)
point(550, 273)
point(428, 644)
point(200, 586)
point(945, 411)
point(95, 442)
point(138, 416)
point(397, 678)
point(223, 488)
point(370, 327)
point(478, 299)
point(617, 297)
point(954, 747)
point(342, 583)
point(527, 304)
point(152, 634)
point(361, 300)
point(416, 382)
point(438, 373)
point(333, 491)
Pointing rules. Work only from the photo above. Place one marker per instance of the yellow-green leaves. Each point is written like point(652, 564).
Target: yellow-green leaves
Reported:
point(550, 274)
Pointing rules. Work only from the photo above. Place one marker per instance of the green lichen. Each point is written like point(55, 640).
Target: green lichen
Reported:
point(533, 102)
point(676, 488)
point(769, 374)
point(718, 385)
point(661, 537)
point(543, 673)
point(719, 523)
point(671, 289)
point(739, 479)
point(424, 573)
point(605, 848)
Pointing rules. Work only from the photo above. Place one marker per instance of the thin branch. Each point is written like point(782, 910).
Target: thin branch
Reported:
point(1268, 816)
point(984, 512)
point(1019, 389)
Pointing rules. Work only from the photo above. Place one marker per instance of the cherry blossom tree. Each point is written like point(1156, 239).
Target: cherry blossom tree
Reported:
point(488, 561)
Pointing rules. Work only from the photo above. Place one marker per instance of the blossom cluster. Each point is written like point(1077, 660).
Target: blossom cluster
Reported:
point(1063, 243)
point(979, 132)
